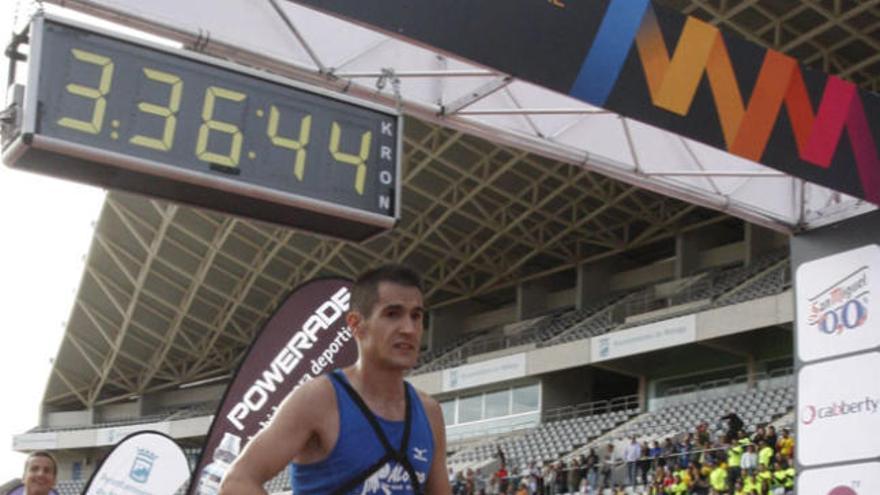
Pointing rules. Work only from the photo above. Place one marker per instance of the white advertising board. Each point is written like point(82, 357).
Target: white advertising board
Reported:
point(838, 304)
point(853, 479)
point(491, 371)
point(659, 335)
point(839, 410)
point(35, 441)
point(145, 463)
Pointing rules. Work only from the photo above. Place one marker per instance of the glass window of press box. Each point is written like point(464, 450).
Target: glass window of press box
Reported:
point(493, 411)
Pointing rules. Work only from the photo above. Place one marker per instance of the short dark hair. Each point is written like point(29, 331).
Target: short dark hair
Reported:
point(42, 453)
point(365, 290)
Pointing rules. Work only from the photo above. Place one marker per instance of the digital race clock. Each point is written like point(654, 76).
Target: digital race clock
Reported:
point(125, 114)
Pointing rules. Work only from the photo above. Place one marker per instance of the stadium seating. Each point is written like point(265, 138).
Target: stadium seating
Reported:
point(755, 406)
point(70, 487)
point(550, 441)
point(766, 275)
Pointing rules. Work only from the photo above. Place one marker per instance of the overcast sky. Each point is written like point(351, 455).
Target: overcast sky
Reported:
point(46, 227)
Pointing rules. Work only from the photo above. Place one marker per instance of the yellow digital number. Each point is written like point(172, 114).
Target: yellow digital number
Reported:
point(169, 113)
point(92, 126)
point(209, 124)
point(299, 146)
point(359, 160)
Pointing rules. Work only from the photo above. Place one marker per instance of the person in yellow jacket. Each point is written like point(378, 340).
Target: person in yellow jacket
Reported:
point(780, 476)
point(734, 457)
point(789, 479)
point(785, 444)
point(678, 486)
point(765, 454)
point(750, 484)
point(764, 479)
point(718, 479)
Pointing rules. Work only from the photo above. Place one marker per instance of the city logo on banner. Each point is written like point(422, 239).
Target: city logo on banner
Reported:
point(842, 306)
point(142, 466)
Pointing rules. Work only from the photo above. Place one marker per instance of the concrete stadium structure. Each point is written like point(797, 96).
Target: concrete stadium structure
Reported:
point(533, 264)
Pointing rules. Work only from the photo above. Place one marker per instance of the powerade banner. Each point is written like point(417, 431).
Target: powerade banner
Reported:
point(143, 463)
point(306, 337)
point(665, 69)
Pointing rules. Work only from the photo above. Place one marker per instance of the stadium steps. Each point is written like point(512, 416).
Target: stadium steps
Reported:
point(771, 280)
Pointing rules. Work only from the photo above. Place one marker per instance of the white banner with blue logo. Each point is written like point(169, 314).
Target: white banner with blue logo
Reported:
point(143, 463)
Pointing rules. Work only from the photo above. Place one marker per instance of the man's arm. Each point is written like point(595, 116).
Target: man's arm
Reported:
point(438, 481)
point(294, 424)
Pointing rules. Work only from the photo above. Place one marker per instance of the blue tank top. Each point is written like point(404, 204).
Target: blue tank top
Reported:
point(358, 449)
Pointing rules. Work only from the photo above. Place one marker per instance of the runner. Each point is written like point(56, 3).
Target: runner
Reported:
point(361, 430)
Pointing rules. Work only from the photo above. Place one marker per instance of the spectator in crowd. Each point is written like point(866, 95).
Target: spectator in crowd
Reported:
point(502, 475)
point(760, 434)
point(547, 479)
point(561, 478)
point(771, 437)
point(631, 456)
point(734, 425)
point(655, 452)
point(667, 451)
point(718, 479)
point(764, 479)
point(778, 481)
point(785, 445)
point(606, 467)
point(592, 468)
point(699, 484)
point(493, 487)
point(499, 454)
point(573, 479)
point(765, 453)
point(479, 482)
point(749, 462)
point(645, 463)
point(40, 474)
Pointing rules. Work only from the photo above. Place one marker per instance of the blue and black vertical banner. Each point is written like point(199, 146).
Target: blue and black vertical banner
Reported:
point(306, 337)
point(662, 68)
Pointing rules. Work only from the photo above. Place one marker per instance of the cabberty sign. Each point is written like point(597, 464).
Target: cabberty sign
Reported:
point(306, 337)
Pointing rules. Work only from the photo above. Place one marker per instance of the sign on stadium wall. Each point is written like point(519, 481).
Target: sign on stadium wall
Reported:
point(837, 357)
point(646, 338)
point(35, 441)
point(838, 304)
point(143, 463)
point(655, 65)
point(110, 436)
point(306, 337)
point(855, 479)
point(489, 371)
point(838, 408)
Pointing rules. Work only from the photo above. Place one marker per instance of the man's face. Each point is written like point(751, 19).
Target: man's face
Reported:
point(391, 334)
point(39, 475)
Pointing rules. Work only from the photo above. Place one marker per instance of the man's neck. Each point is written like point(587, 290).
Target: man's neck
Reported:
point(381, 388)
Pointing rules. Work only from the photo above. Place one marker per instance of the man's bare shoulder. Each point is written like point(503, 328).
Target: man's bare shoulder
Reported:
point(430, 404)
point(311, 399)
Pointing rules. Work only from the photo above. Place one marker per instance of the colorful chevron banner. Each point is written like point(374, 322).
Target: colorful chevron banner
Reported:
point(657, 66)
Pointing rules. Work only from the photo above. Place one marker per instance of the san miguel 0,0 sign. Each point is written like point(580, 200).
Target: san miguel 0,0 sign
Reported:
point(124, 114)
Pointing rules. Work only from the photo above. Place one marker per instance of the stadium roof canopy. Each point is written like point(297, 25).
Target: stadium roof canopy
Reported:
point(504, 181)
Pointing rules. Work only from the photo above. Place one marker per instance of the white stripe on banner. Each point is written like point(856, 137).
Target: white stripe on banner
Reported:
point(143, 463)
